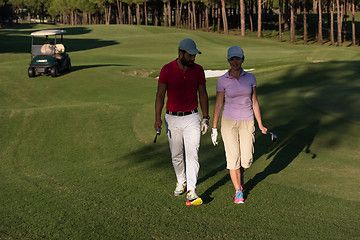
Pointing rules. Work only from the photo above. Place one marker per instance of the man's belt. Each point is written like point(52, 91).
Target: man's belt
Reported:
point(180, 114)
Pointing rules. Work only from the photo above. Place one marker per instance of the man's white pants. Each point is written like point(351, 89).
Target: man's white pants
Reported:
point(184, 137)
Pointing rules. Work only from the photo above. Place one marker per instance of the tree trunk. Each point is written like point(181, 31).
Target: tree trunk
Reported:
point(320, 35)
point(218, 20)
point(332, 37)
point(169, 13)
point(353, 23)
point(145, 13)
point(292, 22)
point(259, 19)
point(242, 17)
point(180, 13)
point(177, 17)
point(315, 4)
point(200, 16)
point(342, 5)
point(156, 17)
point(189, 17)
point(194, 15)
point(305, 24)
point(338, 23)
point(280, 19)
point(130, 19)
point(138, 21)
point(224, 17)
point(207, 18)
point(120, 12)
point(72, 17)
point(165, 15)
point(251, 21)
point(286, 15)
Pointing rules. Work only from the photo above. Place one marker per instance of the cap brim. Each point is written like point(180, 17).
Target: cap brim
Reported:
point(193, 52)
point(235, 55)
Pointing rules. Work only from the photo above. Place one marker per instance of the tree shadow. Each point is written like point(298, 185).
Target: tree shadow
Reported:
point(82, 67)
point(14, 41)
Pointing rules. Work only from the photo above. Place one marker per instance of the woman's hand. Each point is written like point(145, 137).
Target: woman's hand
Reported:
point(263, 129)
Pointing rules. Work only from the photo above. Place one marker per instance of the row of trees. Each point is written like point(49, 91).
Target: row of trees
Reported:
point(216, 15)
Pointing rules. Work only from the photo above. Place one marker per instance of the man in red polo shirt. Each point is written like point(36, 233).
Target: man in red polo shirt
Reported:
point(183, 80)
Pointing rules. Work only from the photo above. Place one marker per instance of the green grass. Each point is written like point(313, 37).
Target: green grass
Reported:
point(77, 159)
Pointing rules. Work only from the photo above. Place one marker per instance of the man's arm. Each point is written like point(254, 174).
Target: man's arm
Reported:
point(204, 101)
point(159, 104)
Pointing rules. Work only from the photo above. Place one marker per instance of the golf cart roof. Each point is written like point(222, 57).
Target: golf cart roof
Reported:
point(48, 32)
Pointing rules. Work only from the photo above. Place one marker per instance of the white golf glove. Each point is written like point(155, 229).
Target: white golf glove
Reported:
point(204, 125)
point(214, 135)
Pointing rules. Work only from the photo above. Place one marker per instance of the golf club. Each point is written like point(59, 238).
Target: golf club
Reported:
point(157, 133)
point(273, 135)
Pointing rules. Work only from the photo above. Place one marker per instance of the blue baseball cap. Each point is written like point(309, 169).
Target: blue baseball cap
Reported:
point(235, 51)
point(189, 46)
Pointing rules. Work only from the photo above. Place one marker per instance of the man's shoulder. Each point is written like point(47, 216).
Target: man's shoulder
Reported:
point(197, 67)
point(168, 68)
point(169, 65)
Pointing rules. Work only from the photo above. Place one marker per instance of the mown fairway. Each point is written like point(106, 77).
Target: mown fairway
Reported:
point(77, 159)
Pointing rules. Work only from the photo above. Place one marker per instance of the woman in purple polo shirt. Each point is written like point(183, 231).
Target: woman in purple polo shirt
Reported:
point(238, 89)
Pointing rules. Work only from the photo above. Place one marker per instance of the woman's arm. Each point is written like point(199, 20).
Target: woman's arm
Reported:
point(256, 108)
point(218, 106)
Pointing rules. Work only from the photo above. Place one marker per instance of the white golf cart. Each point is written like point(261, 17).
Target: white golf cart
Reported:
point(51, 56)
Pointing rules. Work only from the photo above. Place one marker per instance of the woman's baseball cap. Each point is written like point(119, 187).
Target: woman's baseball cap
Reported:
point(235, 51)
point(189, 46)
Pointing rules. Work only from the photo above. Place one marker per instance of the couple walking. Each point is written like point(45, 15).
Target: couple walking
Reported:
point(183, 81)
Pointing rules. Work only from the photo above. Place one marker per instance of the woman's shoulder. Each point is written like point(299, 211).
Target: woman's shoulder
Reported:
point(224, 76)
point(247, 74)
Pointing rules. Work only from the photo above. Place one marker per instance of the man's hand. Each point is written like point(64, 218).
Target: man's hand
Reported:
point(204, 125)
point(157, 124)
point(214, 135)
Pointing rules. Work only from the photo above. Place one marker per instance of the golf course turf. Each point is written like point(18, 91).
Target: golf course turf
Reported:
point(77, 158)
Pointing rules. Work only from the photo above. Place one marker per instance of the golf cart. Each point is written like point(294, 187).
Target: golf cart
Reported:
point(49, 57)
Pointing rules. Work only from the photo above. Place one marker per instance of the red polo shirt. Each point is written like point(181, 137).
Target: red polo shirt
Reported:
point(182, 86)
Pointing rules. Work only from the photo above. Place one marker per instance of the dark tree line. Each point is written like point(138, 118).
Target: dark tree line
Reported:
point(298, 17)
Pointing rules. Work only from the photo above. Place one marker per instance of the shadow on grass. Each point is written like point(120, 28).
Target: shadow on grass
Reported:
point(286, 113)
point(20, 42)
point(82, 67)
point(284, 153)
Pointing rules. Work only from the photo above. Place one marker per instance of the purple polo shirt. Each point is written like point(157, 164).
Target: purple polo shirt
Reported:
point(238, 102)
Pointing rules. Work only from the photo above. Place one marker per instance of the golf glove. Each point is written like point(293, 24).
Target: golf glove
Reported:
point(204, 125)
point(214, 135)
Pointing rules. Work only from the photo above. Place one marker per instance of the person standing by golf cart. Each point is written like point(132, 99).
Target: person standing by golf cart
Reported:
point(238, 89)
point(182, 80)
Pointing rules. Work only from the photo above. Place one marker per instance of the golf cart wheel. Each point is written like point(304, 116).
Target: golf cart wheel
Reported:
point(54, 71)
point(31, 72)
